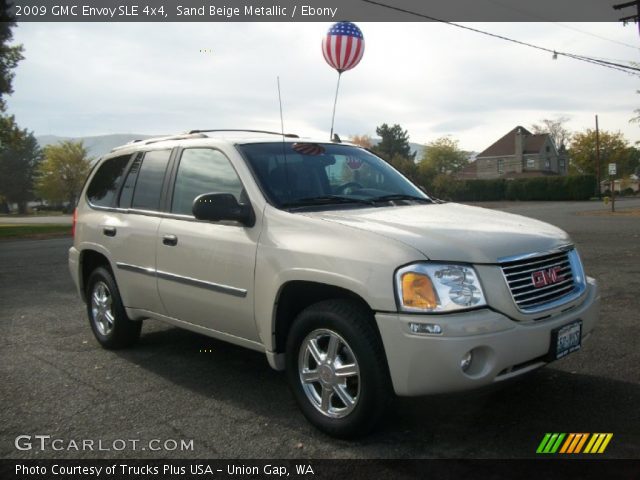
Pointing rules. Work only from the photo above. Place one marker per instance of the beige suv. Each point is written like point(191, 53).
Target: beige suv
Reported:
point(329, 261)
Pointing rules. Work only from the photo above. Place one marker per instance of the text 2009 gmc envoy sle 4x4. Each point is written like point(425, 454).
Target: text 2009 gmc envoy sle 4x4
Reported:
point(329, 261)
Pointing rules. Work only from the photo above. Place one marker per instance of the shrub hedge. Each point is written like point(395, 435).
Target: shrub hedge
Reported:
point(579, 187)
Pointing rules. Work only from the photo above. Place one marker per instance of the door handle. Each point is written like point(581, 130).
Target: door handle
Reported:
point(170, 240)
point(109, 231)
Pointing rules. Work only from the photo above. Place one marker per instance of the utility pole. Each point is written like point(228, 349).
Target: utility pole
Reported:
point(635, 18)
point(598, 157)
point(599, 192)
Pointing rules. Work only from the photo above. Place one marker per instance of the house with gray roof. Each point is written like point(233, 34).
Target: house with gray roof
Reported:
point(518, 154)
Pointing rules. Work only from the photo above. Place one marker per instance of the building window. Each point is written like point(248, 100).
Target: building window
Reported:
point(501, 166)
point(547, 164)
point(561, 164)
point(531, 163)
point(548, 149)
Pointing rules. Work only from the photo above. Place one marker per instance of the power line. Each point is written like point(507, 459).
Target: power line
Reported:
point(530, 14)
point(612, 65)
point(595, 35)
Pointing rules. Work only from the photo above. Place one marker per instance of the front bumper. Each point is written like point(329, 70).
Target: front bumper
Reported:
point(503, 348)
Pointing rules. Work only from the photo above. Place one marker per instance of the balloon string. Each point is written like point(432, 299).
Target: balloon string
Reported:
point(335, 101)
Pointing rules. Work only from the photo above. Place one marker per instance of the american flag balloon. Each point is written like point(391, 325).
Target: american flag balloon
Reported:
point(343, 46)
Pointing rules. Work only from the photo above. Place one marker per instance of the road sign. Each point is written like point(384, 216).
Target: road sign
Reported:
point(612, 169)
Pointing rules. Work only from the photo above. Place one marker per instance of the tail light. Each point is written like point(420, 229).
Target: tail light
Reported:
point(75, 220)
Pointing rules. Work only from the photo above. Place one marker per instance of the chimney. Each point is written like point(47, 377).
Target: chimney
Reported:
point(519, 148)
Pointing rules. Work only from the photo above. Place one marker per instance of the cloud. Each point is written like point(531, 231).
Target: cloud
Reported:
point(433, 79)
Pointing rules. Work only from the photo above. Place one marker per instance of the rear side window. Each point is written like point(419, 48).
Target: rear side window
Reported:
point(105, 182)
point(126, 194)
point(203, 170)
point(148, 188)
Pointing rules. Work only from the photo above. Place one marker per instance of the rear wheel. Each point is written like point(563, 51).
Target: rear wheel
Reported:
point(107, 316)
point(337, 368)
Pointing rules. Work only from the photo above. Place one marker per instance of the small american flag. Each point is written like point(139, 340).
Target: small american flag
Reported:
point(308, 148)
point(343, 46)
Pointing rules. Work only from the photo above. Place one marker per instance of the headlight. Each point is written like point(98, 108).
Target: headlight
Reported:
point(424, 287)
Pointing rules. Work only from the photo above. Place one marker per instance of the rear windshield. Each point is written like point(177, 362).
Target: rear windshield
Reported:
point(311, 174)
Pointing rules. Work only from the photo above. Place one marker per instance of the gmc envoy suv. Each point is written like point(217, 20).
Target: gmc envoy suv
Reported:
point(327, 259)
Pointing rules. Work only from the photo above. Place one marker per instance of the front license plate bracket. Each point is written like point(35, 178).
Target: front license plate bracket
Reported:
point(565, 340)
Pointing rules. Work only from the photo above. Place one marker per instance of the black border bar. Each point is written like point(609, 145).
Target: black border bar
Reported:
point(538, 469)
point(313, 10)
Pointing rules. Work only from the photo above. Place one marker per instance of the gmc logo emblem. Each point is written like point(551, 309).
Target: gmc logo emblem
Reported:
point(542, 278)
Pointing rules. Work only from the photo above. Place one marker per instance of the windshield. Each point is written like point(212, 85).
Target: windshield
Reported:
point(297, 175)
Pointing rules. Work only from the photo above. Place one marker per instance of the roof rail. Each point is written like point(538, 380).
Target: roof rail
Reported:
point(288, 135)
point(147, 141)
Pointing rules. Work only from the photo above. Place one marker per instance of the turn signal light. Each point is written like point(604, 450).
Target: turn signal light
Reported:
point(418, 291)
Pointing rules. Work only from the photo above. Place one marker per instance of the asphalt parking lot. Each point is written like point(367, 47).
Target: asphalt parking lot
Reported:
point(55, 379)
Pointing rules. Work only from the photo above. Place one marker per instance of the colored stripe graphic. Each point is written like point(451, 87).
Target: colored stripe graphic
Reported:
point(598, 442)
point(551, 443)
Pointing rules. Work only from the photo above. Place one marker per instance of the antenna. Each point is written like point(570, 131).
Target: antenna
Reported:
point(280, 101)
point(284, 145)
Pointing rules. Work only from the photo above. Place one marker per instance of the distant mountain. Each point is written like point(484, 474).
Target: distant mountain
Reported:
point(98, 145)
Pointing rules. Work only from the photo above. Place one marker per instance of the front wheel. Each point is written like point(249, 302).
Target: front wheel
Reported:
point(337, 368)
point(107, 316)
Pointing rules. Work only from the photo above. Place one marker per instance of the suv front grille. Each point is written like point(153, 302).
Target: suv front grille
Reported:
point(538, 282)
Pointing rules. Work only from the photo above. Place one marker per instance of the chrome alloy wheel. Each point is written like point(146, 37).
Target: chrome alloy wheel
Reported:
point(101, 308)
point(329, 373)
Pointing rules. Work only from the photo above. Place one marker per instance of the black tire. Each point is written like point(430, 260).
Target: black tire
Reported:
point(121, 332)
point(358, 341)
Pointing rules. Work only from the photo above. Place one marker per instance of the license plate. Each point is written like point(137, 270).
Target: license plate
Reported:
point(565, 340)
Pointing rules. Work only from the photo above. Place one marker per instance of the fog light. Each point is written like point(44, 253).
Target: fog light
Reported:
point(465, 363)
point(425, 328)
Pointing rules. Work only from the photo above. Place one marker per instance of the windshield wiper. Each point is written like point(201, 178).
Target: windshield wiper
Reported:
point(326, 200)
point(399, 196)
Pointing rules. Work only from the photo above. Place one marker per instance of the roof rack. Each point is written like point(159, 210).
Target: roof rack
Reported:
point(288, 135)
point(147, 141)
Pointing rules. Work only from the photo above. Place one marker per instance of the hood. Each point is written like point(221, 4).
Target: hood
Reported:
point(453, 232)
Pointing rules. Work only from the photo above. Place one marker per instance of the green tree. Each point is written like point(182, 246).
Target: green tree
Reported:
point(442, 156)
point(405, 165)
point(62, 173)
point(9, 55)
point(556, 130)
point(19, 156)
point(393, 141)
point(614, 148)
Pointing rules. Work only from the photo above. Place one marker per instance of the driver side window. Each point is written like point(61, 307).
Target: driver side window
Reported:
point(203, 170)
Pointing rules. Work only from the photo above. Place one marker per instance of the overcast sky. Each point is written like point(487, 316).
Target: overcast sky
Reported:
point(82, 79)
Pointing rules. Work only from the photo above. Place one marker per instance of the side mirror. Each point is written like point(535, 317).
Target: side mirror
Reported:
point(222, 206)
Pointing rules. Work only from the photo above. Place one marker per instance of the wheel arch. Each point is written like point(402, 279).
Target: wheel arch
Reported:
point(296, 295)
point(91, 259)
